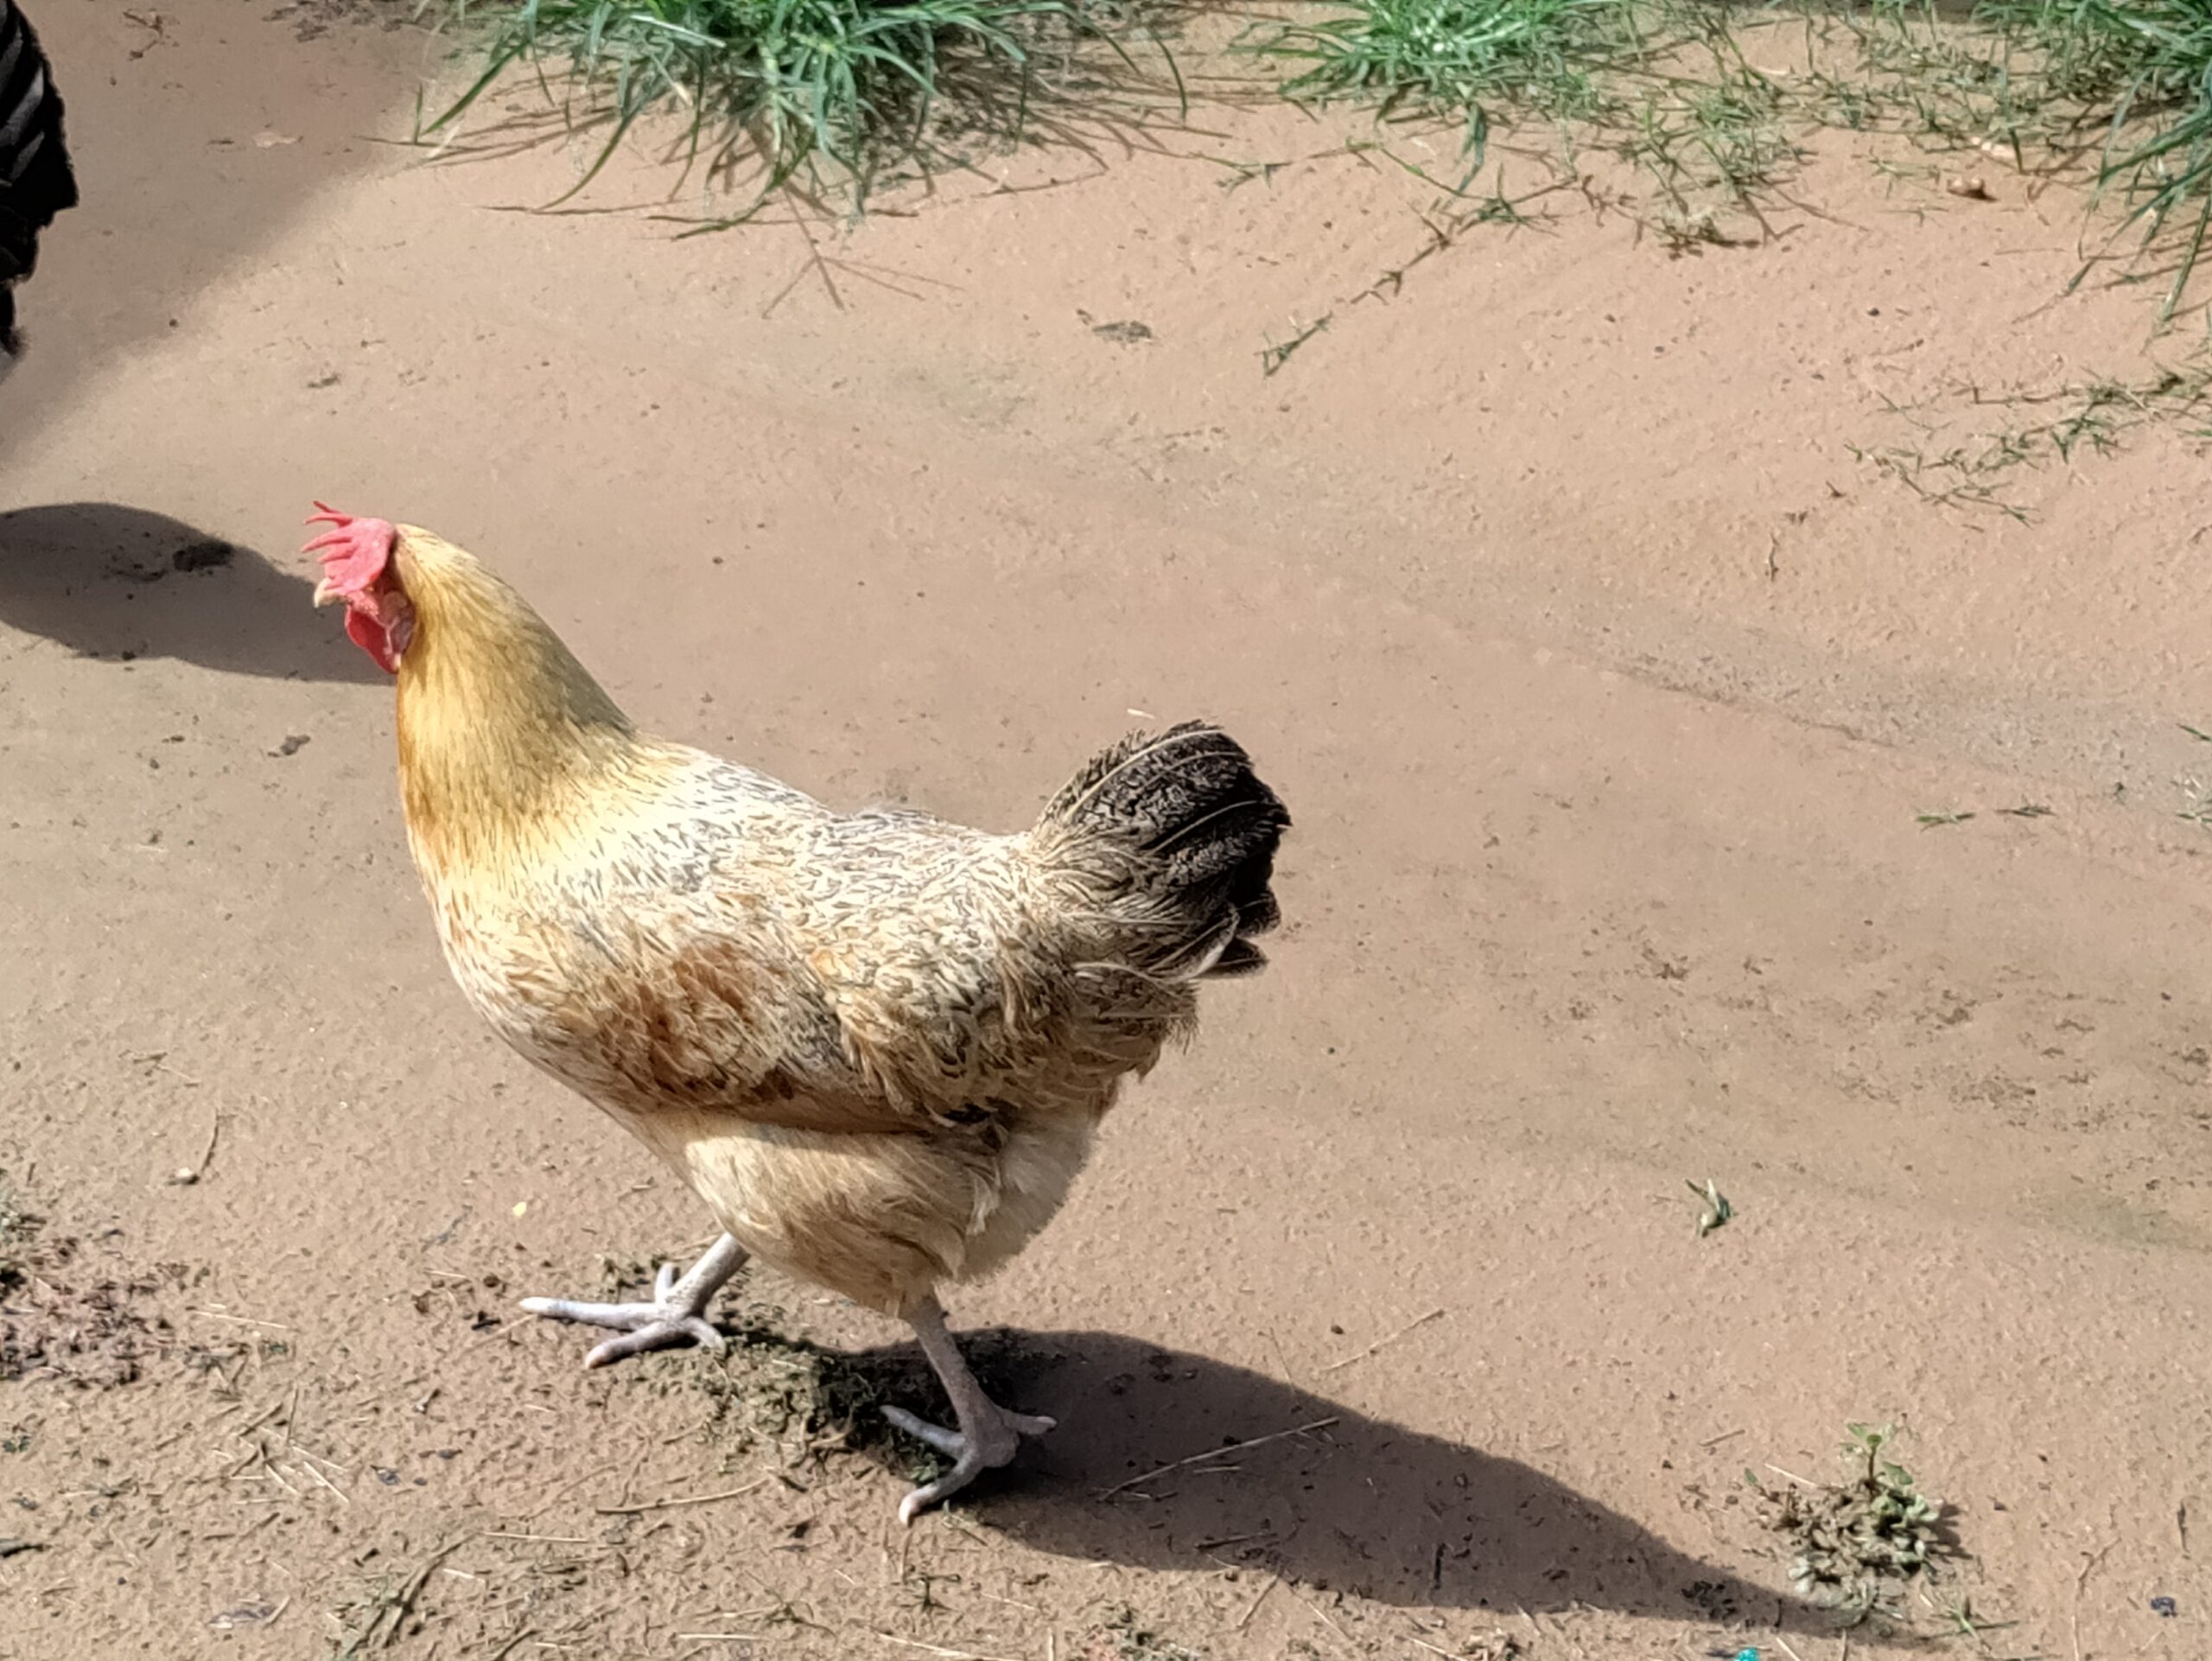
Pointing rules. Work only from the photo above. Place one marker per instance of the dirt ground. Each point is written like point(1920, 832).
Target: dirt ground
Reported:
point(1610, 688)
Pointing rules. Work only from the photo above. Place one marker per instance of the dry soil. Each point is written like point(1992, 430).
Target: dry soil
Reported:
point(1610, 682)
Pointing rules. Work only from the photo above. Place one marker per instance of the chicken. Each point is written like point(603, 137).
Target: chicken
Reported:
point(36, 181)
point(876, 1045)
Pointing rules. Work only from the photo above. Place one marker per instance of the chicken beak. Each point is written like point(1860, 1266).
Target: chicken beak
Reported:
point(326, 593)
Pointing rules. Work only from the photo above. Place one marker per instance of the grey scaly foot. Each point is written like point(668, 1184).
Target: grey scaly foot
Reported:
point(988, 1436)
point(676, 1316)
point(951, 1442)
point(989, 1444)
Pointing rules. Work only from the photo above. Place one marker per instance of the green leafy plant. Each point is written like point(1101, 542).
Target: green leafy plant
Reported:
point(1855, 1541)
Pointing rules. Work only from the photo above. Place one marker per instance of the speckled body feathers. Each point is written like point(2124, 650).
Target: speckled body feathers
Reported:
point(877, 1044)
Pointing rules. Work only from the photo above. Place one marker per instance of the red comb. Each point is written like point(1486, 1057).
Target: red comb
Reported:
point(353, 552)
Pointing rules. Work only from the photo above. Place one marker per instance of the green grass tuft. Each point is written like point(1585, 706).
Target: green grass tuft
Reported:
point(1459, 58)
point(843, 96)
point(816, 90)
point(1665, 84)
point(2142, 69)
point(1661, 83)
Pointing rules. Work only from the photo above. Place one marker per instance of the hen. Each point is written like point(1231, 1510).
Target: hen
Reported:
point(876, 1045)
point(36, 181)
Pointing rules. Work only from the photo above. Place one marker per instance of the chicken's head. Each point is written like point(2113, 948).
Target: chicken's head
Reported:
point(357, 569)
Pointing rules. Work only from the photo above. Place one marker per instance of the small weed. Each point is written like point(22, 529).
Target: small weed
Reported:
point(17, 1225)
point(1953, 478)
point(1124, 1636)
point(2094, 414)
point(378, 1617)
point(1969, 470)
point(621, 1275)
point(1275, 356)
point(921, 1587)
point(1856, 1542)
point(2196, 793)
point(1725, 133)
point(1714, 1211)
point(2196, 799)
point(1487, 1646)
point(1960, 1620)
point(1689, 230)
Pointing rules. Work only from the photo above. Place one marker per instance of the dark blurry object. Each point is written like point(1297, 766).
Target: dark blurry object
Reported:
point(36, 181)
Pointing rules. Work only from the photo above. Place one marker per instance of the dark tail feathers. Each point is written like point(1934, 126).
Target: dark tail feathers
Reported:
point(1187, 802)
point(35, 180)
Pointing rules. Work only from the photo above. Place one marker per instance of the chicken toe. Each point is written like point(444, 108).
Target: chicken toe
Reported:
point(945, 1441)
point(988, 1434)
point(676, 1316)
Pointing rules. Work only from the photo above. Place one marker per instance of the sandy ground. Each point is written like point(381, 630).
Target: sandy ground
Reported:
point(1608, 689)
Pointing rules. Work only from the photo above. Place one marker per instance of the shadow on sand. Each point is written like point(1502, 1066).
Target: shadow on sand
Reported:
point(123, 584)
point(1333, 1499)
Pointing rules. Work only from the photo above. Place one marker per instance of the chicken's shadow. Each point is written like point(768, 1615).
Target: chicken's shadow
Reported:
point(121, 583)
point(1331, 1500)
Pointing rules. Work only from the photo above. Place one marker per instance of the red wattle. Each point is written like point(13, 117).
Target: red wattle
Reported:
point(373, 638)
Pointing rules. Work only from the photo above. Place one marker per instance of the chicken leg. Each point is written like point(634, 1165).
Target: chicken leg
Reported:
point(676, 1316)
point(988, 1434)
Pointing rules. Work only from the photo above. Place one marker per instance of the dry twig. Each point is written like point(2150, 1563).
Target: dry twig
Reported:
point(1433, 1314)
point(1216, 1453)
point(679, 1499)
